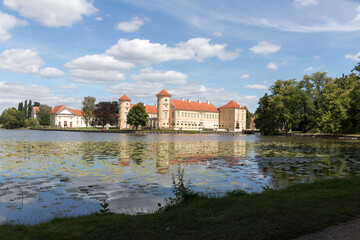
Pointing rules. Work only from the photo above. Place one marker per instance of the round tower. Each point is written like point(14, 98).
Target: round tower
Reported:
point(163, 109)
point(124, 108)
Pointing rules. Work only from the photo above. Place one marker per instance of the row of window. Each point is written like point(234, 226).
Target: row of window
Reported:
point(196, 115)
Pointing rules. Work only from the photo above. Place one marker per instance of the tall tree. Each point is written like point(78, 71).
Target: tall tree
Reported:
point(106, 113)
point(37, 104)
point(25, 109)
point(44, 115)
point(137, 116)
point(249, 115)
point(20, 106)
point(88, 107)
point(29, 109)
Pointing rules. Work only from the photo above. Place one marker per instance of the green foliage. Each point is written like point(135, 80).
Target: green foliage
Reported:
point(137, 116)
point(37, 104)
point(105, 207)
point(30, 107)
point(106, 113)
point(181, 190)
point(317, 103)
point(88, 107)
point(44, 115)
point(30, 122)
point(12, 118)
point(249, 115)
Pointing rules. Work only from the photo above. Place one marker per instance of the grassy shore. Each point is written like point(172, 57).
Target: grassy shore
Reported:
point(274, 214)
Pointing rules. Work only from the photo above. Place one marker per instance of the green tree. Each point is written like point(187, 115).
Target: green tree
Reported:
point(30, 122)
point(88, 107)
point(12, 118)
point(264, 120)
point(37, 104)
point(20, 106)
point(249, 115)
point(106, 113)
point(25, 109)
point(29, 109)
point(44, 115)
point(137, 116)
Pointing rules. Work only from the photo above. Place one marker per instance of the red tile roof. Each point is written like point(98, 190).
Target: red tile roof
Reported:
point(151, 109)
point(232, 104)
point(194, 106)
point(57, 109)
point(163, 93)
point(76, 112)
point(124, 98)
point(148, 108)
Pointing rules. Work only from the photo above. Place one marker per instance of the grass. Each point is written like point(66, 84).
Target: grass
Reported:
point(273, 214)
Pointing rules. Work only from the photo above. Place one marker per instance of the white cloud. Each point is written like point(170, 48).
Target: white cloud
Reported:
point(304, 3)
point(52, 13)
point(203, 50)
point(256, 86)
point(98, 18)
point(314, 69)
point(272, 66)
point(355, 57)
point(14, 92)
point(97, 68)
point(245, 76)
point(131, 26)
point(8, 22)
point(144, 90)
point(317, 57)
point(150, 75)
point(20, 60)
point(67, 87)
point(265, 48)
point(218, 34)
point(51, 72)
point(145, 52)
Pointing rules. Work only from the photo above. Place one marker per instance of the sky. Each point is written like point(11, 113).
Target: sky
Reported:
point(58, 52)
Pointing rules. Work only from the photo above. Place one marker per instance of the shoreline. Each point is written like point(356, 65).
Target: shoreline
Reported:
point(142, 132)
point(273, 214)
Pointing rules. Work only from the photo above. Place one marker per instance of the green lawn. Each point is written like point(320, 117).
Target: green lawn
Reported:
point(280, 214)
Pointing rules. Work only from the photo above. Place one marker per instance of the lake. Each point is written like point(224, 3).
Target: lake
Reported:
point(45, 174)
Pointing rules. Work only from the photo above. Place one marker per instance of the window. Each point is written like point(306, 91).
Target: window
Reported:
point(166, 114)
point(127, 103)
point(185, 115)
point(173, 114)
point(165, 99)
point(178, 114)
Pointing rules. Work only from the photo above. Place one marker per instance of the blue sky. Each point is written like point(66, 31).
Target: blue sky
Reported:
point(57, 52)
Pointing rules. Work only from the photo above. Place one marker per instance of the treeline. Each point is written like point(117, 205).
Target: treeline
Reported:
point(317, 103)
point(21, 117)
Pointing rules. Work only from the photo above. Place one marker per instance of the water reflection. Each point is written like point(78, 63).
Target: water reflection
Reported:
point(43, 179)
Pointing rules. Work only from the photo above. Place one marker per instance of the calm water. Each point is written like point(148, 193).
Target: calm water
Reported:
point(49, 174)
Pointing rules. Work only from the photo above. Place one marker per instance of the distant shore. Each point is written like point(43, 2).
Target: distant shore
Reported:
point(144, 132)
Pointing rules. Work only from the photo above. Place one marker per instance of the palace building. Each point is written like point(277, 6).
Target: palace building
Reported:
point(186, 114)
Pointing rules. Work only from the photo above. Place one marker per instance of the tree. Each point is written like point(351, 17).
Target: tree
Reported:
point(249, 115)
point(106, 113)
point(88, 107)
point(37, 104)
point(44, 114)
point(20, 106)
point(25, 109)
point(12, 118)
point(30, 107)
point(264, 120)
point(137, 116)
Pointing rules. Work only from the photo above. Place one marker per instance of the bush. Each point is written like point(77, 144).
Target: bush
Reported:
point(30, 123)
point(12, 118)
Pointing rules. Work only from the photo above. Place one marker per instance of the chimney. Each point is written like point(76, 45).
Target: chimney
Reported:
point(208, 102)
point(189, 100)
point(199, 101)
